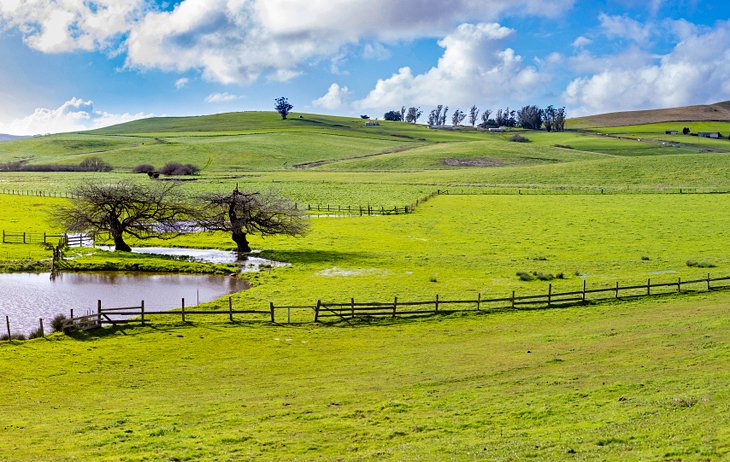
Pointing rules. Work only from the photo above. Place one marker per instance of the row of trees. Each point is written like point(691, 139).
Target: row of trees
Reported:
point(162, 211)
point(529, 117)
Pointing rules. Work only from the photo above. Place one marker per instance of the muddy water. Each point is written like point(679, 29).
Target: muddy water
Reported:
point(26, 297)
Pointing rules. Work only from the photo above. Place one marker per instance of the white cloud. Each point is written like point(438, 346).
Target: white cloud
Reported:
point(625, 28)
point(56, 26)
point(74, 115)
point(474, 68)
point(375, 51)
point(182, 83)
point(581, 42)
point(334, 98)
point(238, 41)
point(696, 71)
point(221, 98)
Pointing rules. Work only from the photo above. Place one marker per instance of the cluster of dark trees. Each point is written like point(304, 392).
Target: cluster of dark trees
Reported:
point(160, 210)
point(529, 117)
point(169, 169)
point(91, 164)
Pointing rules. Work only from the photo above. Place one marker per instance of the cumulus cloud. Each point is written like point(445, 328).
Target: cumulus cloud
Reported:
point(224, 97)
point(55, 26)
point(237, 41)
point(581, 42)
point(697, 70)
point(75, 114)
point(334, 98)
point(473, 68)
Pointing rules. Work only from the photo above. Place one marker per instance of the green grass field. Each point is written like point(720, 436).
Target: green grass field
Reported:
point(621, 380)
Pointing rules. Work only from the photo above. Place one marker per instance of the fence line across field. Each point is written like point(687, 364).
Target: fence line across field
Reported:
point(344, 311)
point(33, 237)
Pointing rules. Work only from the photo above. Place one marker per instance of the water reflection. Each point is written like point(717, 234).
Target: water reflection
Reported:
point(26, 297)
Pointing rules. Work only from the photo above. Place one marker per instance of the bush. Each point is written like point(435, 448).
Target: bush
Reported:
point(57, 323)
point(94, 164)
point(544, 277)
point(4, 337)
point(701, 264)
point(144, 168)
point(519, 139)
point(525, 276)
point(645, 258)
point(37, 333)
point(177, 169)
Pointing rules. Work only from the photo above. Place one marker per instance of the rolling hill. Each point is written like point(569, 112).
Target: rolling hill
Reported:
point(712, 112)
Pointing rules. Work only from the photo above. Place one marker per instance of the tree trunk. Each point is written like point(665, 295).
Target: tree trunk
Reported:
point(240, 239)
point(120, 245)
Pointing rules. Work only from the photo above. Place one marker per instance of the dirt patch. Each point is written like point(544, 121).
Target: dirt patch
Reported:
point(481, 162)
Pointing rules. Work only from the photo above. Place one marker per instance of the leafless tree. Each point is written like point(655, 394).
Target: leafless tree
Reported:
point(243, 213)
point(473, 115)
point(457, 117)
point(142, 211)
point(413, 114)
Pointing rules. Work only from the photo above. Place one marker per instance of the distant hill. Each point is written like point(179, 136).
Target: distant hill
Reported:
point(4, 137)
point(713, 112)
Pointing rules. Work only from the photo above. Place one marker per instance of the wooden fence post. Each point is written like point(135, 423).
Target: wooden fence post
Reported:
point(183, 309)
point(271, 307)
point(513, 299)
point(72, 314)
point(708, 281)
point(98, 313)
point(616, 289)
point(395, 305)
point(584, 291)
point(679, 285)
point(40, 321)
point(230, 310)
point(141, 306)
point(352, 307)
point(479, 301)
point(437, 303)
point(7, 324)
point(550, 294)
point(316, 310)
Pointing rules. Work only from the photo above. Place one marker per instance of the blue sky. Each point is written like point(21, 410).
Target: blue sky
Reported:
point(71, 65)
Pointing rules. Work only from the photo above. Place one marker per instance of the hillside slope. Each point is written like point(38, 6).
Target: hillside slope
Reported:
point(711, 112)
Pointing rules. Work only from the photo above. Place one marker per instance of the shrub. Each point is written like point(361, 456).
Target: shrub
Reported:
point(177, 169)
point(94, 164)
point(57, 322)
point(36, 333)
point(525, 276)
point(4, 337)
point(144, 168)
point(701, 264)
point(545, 277)
point(645, 258)
point(519, 139)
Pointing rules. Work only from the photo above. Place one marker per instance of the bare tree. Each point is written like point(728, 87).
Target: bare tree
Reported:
point(243, 213)
point(283, 107)
point(473, 115)
point(403, 113)
point(486, 121)
point(457, 117)
point(442, 120)
point(125, 208)
point(434, 118)
point(413, 114)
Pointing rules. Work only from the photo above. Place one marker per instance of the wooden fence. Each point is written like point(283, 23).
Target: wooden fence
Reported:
point(331, 311)
point(366, 210)
point(66, 240)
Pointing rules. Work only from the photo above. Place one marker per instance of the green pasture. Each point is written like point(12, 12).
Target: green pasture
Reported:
point(627, 381)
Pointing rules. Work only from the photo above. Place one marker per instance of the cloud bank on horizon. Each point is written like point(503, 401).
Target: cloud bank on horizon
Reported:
point(354, 56)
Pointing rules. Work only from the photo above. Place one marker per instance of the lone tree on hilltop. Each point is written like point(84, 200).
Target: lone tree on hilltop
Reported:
point(393, 115)
point(140, 211)
point(283, 107)
point(243, 213)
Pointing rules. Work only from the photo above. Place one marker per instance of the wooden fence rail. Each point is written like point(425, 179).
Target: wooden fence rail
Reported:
point(32, 237)
point(343, 311)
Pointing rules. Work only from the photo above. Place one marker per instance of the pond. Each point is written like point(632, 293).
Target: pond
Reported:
point(26, 297)
point(248, 264)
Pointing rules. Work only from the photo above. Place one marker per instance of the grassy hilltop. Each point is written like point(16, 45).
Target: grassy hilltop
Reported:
point(620, 380)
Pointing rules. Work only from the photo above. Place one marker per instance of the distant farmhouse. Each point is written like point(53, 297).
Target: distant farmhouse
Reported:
point(714, 135)
point(372, 123)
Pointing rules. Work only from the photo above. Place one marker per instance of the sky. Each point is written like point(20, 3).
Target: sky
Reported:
point(69, 65)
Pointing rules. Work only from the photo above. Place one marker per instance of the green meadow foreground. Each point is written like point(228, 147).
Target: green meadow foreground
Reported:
point(621, 380)
point(625, 381)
